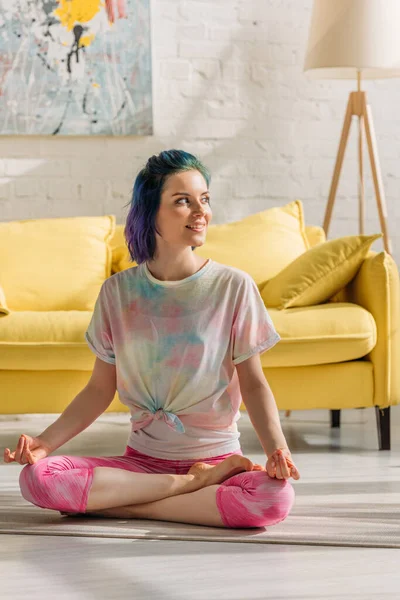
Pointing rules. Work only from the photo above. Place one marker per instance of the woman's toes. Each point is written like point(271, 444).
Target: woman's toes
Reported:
point(258, 468)
point(214, 474)
point(199, 468)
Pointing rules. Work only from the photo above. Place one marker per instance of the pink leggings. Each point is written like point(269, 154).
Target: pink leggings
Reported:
point(249, 499)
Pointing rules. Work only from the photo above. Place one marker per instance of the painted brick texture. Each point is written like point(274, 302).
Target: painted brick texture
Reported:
point(228, 85)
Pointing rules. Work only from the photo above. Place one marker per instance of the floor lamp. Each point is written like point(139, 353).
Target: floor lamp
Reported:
point(356, 39)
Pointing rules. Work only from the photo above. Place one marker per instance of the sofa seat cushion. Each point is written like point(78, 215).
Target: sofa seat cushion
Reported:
point(45, 341)
point(316, 335)
point(329, 333)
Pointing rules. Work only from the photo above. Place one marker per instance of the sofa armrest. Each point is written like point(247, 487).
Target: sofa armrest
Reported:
point(376, 287)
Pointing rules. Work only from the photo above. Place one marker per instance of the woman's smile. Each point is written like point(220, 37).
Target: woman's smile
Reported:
point(196, 229)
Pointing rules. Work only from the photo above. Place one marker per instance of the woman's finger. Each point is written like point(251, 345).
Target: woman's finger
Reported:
point(24, 445)
point(9, 456)
point(19, 449)
point(278, 464)
point(284, 468)
point(271, 468)
point(24, 457)
point(30, 457)
point(25, 451)
point(294, 472)
point(278, 469)
point(275, 458)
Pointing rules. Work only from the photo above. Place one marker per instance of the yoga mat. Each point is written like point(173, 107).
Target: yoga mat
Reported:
point(332, 521)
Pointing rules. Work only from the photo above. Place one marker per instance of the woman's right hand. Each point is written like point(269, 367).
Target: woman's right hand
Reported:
point(28, 450)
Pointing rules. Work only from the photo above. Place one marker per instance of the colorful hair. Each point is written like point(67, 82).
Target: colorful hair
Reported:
point(140, 224)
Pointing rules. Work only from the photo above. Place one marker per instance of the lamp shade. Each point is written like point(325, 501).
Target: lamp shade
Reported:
point(347, 36)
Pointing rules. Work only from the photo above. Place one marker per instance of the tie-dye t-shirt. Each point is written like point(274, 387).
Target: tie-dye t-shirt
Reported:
point(175, 345)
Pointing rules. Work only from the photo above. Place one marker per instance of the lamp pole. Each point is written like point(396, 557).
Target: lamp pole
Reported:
point(357, 106)
point(361, 189)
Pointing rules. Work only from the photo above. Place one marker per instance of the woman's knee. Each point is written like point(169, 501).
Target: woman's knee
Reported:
point(32, 482)
point(279, 497)
point(54, 482)
point(254, 499)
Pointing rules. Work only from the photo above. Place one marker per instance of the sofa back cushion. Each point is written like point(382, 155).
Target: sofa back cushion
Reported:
point(4, 311)
point(120, 254)
point(315, 235)
point(55, 264)
point(261, 244)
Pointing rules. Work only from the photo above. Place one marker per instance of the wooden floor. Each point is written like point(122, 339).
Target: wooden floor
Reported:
point(38, 567)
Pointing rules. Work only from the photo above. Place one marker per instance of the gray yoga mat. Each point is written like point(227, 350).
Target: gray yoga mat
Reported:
point(311, 523)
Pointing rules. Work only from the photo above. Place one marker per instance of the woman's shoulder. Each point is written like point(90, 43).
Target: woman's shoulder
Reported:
point(233, 273)
point(122, 278)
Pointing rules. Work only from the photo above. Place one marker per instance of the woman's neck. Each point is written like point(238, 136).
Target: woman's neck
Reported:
point(168, 272)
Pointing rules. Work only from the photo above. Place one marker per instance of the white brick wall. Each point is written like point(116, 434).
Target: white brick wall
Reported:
point(228, 86)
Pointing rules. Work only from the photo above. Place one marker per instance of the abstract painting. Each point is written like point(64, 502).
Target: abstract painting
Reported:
point(75, 67)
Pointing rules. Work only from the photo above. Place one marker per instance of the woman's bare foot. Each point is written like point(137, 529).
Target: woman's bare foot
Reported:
point(258, 468)
point(214, 474)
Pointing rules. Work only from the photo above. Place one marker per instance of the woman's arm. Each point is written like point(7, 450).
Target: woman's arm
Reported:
point(263, 412)
point(89, 404)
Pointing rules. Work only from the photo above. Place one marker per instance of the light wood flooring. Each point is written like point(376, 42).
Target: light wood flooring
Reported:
point(38, 567)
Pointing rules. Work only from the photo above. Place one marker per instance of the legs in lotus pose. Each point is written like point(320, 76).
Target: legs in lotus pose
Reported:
point(223, 491)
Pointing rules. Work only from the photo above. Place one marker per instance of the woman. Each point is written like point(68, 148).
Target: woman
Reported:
point(179, 337)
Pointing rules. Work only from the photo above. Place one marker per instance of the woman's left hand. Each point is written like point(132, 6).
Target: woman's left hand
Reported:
point(281, 465)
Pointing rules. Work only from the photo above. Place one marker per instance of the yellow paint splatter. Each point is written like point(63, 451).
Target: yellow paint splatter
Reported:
point(71, 12)
point(86, 40)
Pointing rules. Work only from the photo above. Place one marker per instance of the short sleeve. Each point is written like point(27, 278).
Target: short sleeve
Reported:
point(99, 334)
point(253, 331)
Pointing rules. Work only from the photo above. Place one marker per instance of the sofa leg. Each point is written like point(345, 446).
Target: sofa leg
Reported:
point(383, 424)
point(335, 418)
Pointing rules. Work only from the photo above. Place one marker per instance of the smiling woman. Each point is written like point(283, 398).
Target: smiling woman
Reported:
point(178, 337)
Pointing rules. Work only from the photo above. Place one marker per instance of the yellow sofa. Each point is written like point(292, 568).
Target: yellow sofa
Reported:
point(340, 354)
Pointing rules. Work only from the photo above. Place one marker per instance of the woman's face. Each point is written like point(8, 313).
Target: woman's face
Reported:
point(184, 201)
